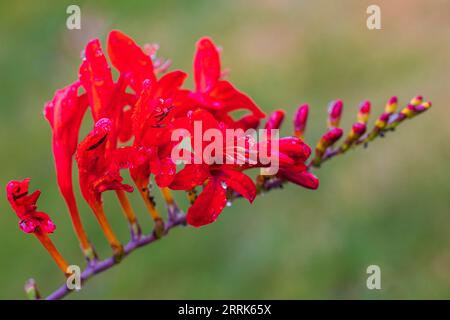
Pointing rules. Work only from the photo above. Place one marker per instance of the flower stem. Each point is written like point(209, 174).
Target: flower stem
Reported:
point(149, 203)
point(172, 207)
point(107, 230)
point(86, 247)
point(50, 247)
point(129, 213)
point(167, 196)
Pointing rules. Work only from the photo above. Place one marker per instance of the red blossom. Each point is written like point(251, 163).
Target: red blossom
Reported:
point(216, 176)
point(212, 93)
point(65, 113)
point(24, 205)
point(99, 171)
point(213, 198)
point(152, 127)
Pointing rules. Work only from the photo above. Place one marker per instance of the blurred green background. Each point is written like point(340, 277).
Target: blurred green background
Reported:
point(387, 205)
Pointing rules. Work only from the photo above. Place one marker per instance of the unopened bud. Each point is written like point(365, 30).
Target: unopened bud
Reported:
point(364, 111)
point(300, 120)
point(248, 122)
point(380, 125)
point(391, 105)
point(31, 290)
point(358, 129)
point(409, 111)
point(327, 140)
point(334, 113)
point(417, 100)
point(275, 120)
point(424, 106)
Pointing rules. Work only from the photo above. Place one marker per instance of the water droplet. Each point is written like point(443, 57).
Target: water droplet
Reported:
point(223, 184)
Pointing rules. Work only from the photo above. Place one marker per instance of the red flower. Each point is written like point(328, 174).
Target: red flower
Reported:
point(218, 96)
point(152, 126)
point(65, 113)
point(24, 205)
point(98, 170)
point(218, 177)
point(107, 98)
point(213, 198)
point(96, 78)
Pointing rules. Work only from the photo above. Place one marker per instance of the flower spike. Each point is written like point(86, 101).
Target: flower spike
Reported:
point(148, 109)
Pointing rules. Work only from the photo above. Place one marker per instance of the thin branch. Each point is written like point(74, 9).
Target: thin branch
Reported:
point(103, 265)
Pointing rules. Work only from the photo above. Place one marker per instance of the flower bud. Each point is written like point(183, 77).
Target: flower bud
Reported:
point(417, 100)
point(391, 105)
point(364, 111)
point(300, 120)
point(409, 111)
point(358, 129)
point(334, 113)
point(380, 125)
point(275, 120)
point(31, 290)
point(327, 140)
point(424, 106)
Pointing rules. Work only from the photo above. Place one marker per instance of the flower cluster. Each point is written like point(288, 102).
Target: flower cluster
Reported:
point(136, 116)
point(142, 109)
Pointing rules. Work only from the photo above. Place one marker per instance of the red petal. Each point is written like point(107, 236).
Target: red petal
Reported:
point(95, 75)
point(21, 200)
point(206, 65)
point(239, 182)
point(130, 59)
point(65, 113)
point(190, 176)
point(126, 131)
point(28, 225)
point(166, 172)
point(232, 99)
point(170, 83)
point(208, 205)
